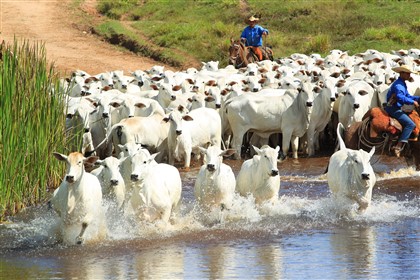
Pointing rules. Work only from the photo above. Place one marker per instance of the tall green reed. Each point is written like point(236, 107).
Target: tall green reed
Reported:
point(32, 126)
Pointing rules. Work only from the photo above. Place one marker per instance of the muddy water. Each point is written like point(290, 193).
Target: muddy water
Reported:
point(304, 235)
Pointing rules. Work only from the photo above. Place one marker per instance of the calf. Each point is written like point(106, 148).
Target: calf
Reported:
point(350, 175)
point(109, 175)
point(215, 183)
point(259, 176)
point(78, 200)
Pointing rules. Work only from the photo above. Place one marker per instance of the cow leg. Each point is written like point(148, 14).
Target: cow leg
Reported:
point(237, 143)
point(187, 157)
point(295, 144)
point(286, 143)
point(79, 238)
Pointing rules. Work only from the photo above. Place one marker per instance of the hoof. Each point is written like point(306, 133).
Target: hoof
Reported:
point(79, 240)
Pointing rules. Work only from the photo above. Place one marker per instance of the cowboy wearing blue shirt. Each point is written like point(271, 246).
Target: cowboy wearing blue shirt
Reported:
point(398, 97)
point(252, 34)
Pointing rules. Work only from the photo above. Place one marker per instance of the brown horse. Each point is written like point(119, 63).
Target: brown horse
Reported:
point(241, 55)
point(379, 130)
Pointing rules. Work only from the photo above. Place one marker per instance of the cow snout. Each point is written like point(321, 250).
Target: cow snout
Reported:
point(134, 177)
point(173, 97)
point(140, 84)
point(210, 167)
point(309, 103)
point(178, 132)
point(332, 99)
point(70, 178)
point(365, 176)
point(87, 130)
point(356, 106)
point(105, 115)
point(274, 173)
point(254, 90)
point(131, 116)
point(69, 116)
point(218, 106)
point(124, 86)
point(114, 182)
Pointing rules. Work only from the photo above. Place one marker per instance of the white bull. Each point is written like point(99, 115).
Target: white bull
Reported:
point(350, 175)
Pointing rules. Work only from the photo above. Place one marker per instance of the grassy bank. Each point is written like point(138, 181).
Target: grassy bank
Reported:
point(32, 127)
point(183, 33)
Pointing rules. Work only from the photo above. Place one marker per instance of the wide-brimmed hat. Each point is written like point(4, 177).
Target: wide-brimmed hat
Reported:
point(403, 68)
point(252, 18)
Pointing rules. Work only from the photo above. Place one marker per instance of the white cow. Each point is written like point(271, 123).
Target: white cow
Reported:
point(259, 176)
point(215, 183)
point(112, 182)
point(350, 175)
point(78, 200)
point(157, 190)
point(321, 114)
point(357, 99)
point(149, 131)
point(264, 115)
point(200, 127)
point(126, 84)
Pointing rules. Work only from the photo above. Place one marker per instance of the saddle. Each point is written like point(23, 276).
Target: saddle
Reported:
point(381, 122)
point(267, 53)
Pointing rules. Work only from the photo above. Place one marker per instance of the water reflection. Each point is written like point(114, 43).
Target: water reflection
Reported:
point(160, 263)
point(356, 250)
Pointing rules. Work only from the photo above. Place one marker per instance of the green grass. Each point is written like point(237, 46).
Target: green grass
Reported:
point(195, 31)
point(32, 125)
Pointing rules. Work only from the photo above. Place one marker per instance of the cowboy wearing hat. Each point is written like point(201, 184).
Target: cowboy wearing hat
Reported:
point(252, 35)
point(398, 98)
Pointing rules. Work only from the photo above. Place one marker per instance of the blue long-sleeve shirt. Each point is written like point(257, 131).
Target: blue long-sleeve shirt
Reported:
point(401, 93)
point(253, 35)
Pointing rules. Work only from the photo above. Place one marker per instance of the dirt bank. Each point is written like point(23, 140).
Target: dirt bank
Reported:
point(68, 44)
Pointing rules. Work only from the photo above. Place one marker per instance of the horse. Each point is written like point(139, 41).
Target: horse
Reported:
point(241, 55)
point(378, 129)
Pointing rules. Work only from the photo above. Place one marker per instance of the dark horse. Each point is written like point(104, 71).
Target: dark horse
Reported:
point(379, 130)
point(241, 55)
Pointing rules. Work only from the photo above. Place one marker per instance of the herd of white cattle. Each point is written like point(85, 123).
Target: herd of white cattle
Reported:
point(139, 123)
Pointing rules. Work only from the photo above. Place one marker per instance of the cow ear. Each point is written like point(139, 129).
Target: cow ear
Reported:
point(115, 104)
point(140, 105)
point(363, 92)
point(256, 150)
point(187, 118)
point(59, 156)
point(152, 157)
point(227, 153)
point(98, 162)
point(372, 151)
point(91, 159)
point(166, 119)
point(202, 150)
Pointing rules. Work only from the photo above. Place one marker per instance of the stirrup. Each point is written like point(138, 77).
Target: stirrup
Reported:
point(397, 151)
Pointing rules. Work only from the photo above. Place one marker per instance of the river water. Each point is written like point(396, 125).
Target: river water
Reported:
point(304, 236)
